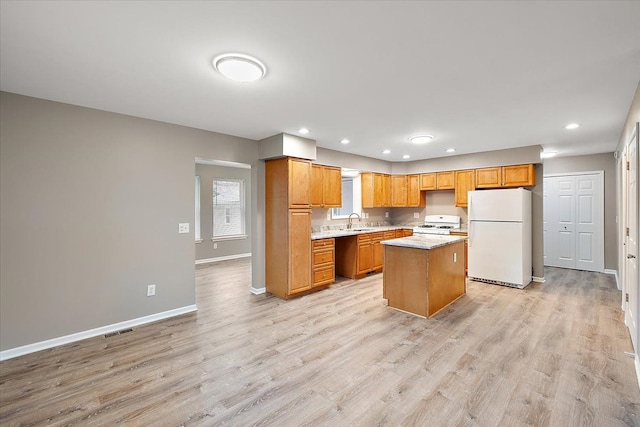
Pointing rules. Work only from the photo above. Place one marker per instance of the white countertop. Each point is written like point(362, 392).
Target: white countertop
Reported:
point(356, 230)
point(424, 241)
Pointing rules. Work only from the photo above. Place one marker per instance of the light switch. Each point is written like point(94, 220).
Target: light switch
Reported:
point(183, 227)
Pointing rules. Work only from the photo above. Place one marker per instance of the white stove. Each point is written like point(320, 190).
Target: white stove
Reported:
point(438, 224)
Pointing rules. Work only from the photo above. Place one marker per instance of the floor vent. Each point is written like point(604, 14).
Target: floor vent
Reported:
point(113, 334)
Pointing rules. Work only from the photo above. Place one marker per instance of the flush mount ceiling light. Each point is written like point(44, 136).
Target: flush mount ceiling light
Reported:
point(450, 150)
point(303, 131)
point(345, 141)
point(547, 154)
point(572, 126)
point(386, 151)
point(239, 67)
point(406, 156)
point(421, 139)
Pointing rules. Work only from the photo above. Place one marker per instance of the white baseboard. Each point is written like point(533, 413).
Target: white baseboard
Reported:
point(258, 291)
point(637, 363)
point(222, 258)
point(537, 279)
point(615, 273)
point(67, 339)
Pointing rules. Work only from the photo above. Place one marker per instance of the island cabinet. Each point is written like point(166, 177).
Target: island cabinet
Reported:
point(465, 182)
point(446, 180)
point(375, 189)
point(326, 186)
point(506, 176)
point(428, 181)
point(288, 227)
point(466, 249)
point(423, 280)
point(323, 262)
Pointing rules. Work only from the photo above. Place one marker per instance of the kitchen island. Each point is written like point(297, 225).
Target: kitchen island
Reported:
point(423, 273)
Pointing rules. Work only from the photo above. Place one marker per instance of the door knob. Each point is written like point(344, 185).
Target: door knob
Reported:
point(631, 256)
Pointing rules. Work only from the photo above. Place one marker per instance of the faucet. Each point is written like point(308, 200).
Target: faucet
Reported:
point(350, 219)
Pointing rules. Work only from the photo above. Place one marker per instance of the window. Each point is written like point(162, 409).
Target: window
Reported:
point(351, 197)
point(228, 208)
point(197, 220)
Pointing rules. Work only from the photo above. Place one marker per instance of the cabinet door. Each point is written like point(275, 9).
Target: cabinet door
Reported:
point(399, 190)
point(299, 250)
point(386, 191)
point(465, 182)
point(299, 183)
point(428, 181)
point(317, 199)
point(446, 180)
point(407, 233)
point(332, 187)
point(378, 196)
point(366, 181)
point(415, 197)
point(518, 176)
point(365, 257)
point(378, 254)
point(489, 178)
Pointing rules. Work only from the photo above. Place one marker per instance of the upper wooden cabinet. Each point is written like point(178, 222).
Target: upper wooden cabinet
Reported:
point(415, 197)
point(375, 190)
point(289, 179)
point(465, 182)
point(428, 181)
point(506, 176)
point(398, 190)
point(326, 186)
point(446, 180)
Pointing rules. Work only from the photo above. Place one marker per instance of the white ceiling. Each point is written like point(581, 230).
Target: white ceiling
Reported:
point(478, 75)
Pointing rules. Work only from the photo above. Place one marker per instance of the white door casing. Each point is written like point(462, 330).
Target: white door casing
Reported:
point(630, 275)
point(574, 218)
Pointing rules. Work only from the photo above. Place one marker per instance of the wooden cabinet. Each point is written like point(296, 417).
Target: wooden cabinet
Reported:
point(326, 186)
point(398, 190)
point(415, 197)
point(519, 176)
point(375, 190)
point(465, 182)
point(506, 176)
point(407, 232)
point(323, 259)
point(428, 181)
point(378, 251)
point(446, 180)
point(287, 229)
point(364, 262)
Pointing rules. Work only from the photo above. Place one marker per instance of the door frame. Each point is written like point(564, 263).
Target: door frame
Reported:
point(600, 206)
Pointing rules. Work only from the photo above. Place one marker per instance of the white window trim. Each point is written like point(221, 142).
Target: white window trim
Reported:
point(197, 209)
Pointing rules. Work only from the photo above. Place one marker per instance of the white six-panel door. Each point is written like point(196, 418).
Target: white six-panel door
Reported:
point(573, 223)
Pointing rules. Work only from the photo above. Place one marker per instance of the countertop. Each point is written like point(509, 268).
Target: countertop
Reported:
point(357, 230)
point(424, 241)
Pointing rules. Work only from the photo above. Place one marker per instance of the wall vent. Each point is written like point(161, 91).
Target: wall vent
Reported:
point(113, 334)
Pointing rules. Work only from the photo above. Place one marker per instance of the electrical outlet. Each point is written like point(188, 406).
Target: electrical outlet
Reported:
point(151, 290)
point(329, 215)
point(183, 227)
point(416, 214)
point(386, 214)
point(215, 246)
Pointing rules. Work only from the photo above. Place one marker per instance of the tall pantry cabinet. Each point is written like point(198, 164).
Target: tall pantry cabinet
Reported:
point(288, 226)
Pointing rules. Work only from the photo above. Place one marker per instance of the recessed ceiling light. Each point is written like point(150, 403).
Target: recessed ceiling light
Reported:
point(239, 67)
point(303, 131)
point(450, 150)
point(386, 151)
point(572, 126)
point(345, 141)
point(406, 156)
point(421, 139)
point(547, 154)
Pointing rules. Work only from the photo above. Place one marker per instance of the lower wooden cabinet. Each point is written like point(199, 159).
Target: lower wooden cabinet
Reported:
point(364, 261)
point(323, 257)
point(378, 251)
point(466, 251)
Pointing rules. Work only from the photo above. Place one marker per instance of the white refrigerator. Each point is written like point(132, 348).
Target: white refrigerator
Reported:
point(500, 236)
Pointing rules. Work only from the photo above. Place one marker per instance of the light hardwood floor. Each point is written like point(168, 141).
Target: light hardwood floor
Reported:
point(549, 355)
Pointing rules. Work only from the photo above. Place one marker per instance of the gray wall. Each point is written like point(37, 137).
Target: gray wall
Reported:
point(205, 250)
point(595, 162)
point(90, 203)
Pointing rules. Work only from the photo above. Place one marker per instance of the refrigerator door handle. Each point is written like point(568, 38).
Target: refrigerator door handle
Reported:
point(470, 237)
